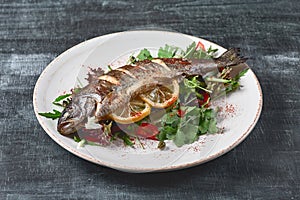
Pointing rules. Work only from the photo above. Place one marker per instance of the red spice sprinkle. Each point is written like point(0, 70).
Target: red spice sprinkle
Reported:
point(229, 108)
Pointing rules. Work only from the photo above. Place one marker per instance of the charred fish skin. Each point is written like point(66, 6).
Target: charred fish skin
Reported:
point(142, 76)
point(107, 91)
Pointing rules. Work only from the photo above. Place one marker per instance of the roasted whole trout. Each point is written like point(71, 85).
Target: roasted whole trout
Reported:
point(107, 91)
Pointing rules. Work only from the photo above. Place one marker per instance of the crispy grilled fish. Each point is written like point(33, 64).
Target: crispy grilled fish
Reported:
point(107, 91)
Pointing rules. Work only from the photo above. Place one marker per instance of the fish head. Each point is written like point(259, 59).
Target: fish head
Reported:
point(75, 114)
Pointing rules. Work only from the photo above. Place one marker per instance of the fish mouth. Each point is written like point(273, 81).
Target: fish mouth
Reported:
point(67, 127)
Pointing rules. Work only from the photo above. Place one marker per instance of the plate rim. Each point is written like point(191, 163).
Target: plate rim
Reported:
point(139, 169)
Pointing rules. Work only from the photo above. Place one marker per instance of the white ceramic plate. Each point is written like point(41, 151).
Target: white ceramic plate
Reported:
point(61, 75)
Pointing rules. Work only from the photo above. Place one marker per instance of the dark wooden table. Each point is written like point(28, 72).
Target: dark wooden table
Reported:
point(265, 166)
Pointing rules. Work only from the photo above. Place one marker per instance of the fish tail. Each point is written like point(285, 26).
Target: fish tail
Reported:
point(230, 58)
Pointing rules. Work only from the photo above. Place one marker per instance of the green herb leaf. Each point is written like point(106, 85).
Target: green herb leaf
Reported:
point(76, 90)
point(208, 122)
point(194, 83)
point(126, 139)
point(211, 51)
point(53, 115)
point(242, 73)
point(123, 136)
point(234, 82)
point(213, 126)
point(57, 104)
point(190, 50)
point(209, 113)
point(203, 126)
point(167, 132)
point(144, 55)
point(171, 119)
point(167, 51)
point(61, 97)
point(76, 139)
point(186, 135)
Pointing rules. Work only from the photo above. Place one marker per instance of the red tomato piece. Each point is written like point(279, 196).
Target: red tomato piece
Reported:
point(206, 96)
point(180, 113)
point(147, 130)
point(200, 45)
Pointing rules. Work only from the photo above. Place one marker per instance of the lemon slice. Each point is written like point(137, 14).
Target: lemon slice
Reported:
point(134, 111)
point(162, 96)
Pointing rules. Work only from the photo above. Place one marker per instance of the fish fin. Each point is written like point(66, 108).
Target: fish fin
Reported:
point(94, 74)
point(230, 58)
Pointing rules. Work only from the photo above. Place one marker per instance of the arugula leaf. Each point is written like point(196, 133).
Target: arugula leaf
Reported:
point(126, 139)
point(58, 100)
point(230, 84)
point(211, 51)
point(234, 82)
point(144, 55)
point(242, 73)
point(233, 85)
point(61, 97)
point(195, 83)
point(123, 136)
point(53, 115)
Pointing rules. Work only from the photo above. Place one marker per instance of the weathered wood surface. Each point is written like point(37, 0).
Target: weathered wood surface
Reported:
point(264, 166)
